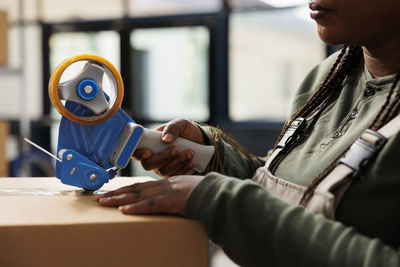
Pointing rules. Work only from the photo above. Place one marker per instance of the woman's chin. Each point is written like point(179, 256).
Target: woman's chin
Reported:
point(332, 37)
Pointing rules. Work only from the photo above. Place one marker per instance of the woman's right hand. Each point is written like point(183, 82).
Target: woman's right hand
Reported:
point(171, 161)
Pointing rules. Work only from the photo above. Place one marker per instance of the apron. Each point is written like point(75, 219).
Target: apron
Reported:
point(330, 191)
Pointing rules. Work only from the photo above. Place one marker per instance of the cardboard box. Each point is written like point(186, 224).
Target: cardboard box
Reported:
point(4, 133)
point(46, 223)
point(3, 37)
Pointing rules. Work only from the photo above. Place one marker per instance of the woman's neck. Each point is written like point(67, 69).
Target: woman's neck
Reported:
point(383, 60)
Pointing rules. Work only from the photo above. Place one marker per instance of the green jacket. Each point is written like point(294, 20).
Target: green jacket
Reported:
point(256, 229)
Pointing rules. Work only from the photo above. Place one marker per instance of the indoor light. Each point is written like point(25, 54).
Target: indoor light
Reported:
point(284, 3)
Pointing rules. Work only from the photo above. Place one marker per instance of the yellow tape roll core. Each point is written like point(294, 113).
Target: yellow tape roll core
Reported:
point(55, 100)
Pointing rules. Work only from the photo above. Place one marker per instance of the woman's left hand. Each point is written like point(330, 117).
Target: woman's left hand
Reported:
point(161, 196)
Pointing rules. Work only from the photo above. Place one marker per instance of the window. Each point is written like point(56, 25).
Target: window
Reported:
point(170, 73)
point(67, 44)
point(138, 8)
point(78, 10)
point(164, 62)
point(271, 52)
point(176, 65)
point(89, 10)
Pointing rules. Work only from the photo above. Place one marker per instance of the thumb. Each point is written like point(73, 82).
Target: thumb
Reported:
point(172, 130)
point(179, 127)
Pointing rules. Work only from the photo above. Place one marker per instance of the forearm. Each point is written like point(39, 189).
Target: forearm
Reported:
point(257, 229)
point(230, 157)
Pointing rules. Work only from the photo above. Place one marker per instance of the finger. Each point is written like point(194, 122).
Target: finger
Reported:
point(186, 170)
point(160, 127)
point(182, 160)
point(156, 204)
point(173, 129)
point(160, 159)
point(130, 188)
point(142, 154)
point(129, 198)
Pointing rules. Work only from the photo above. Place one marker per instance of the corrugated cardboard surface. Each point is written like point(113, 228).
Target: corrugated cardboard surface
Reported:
point(3, 37)
point(4, 133)
point(45, 223)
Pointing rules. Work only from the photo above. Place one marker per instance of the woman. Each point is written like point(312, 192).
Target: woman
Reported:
point(346, 94)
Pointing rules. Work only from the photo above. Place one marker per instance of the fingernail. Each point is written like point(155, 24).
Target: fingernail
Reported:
point(108, 194)
point(168, 137)
point(146, 155)
point(174, 152)
point(190, 154)
point(103, 199)
point(123, 208)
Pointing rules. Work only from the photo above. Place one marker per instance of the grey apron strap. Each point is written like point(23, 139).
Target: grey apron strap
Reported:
point(330, 191)
point(363, 150)
point(390, 128)
point(259, 176)
point(284, 190)
point(271, 158)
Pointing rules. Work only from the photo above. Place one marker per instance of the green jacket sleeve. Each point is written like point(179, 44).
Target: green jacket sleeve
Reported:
point(256, 229)
point(230, 158)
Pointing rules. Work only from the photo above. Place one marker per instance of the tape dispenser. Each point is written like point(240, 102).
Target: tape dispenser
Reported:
point(96, 137)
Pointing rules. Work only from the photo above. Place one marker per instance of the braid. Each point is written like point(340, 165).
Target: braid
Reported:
point(311, 188)
point(396, 110)
point(389, 108)
point(332, 83)
point(376, 124)
point(300, 110)
point(322, 88)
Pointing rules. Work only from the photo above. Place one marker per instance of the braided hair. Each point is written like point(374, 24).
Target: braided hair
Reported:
point(333, 83)
point(347, 58)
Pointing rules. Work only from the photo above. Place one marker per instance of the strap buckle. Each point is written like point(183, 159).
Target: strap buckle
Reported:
point(292, 133)
point(361, 152)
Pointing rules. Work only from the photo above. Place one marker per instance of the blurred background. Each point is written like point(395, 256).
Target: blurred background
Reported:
point(234, 64)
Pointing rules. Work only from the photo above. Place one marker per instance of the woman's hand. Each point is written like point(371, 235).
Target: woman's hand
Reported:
point(161, 196)
point(171, 161)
